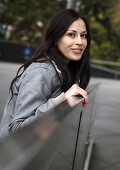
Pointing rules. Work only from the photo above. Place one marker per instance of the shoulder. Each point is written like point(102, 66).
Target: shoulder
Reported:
point(39, 71)
point(44, 69)
point(41, 66)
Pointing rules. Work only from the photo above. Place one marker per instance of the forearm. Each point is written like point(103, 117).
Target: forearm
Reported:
point(23, 121)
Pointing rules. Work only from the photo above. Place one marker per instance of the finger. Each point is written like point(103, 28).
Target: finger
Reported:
point(84, 104)
point(84, 94)
point(85, 98)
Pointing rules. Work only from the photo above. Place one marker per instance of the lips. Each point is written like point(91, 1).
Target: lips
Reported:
point(77, 50)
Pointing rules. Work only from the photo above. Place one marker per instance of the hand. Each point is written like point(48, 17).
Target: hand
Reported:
point(72, 94)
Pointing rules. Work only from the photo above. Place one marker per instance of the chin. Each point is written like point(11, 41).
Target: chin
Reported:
point(77, 59)
point(74, 58)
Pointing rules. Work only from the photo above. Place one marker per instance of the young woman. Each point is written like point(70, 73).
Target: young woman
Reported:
point(59, 70)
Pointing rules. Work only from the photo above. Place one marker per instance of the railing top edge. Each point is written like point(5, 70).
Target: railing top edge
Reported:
point(92, 87)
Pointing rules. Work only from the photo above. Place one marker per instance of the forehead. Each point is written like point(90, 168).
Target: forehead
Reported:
point(78, 25)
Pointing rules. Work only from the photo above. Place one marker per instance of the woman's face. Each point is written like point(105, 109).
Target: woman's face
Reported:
point(74, 42)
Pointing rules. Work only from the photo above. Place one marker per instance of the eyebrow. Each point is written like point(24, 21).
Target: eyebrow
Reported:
point(75, 31)
point(84, 32)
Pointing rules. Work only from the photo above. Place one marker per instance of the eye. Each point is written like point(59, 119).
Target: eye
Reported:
point(84, 35)
point(71, 34)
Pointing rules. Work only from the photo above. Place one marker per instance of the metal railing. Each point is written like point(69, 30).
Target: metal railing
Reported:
point(58, 140)
point(99, 69)
point(111, 63)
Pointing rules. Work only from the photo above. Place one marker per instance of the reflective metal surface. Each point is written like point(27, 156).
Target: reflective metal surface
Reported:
point(57, 141)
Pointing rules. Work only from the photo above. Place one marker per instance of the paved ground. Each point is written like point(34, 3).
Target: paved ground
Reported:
point(106, 129)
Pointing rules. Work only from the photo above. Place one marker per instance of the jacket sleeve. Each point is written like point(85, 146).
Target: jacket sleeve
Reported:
point(34, 97)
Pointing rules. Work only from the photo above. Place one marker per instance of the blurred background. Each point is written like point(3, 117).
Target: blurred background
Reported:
point(22, 23)
point(21, 26)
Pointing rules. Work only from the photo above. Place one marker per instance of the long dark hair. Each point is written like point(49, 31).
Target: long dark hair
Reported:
point(75, 71)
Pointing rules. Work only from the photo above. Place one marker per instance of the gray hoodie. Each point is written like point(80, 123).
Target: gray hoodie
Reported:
point(37, 91)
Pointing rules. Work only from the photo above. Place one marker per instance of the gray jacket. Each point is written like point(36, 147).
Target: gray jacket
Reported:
point(37, 91)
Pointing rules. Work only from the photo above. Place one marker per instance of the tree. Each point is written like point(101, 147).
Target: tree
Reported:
point(105, 27)
point(28, 19)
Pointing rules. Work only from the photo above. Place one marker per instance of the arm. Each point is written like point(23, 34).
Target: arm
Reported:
point(34, 97)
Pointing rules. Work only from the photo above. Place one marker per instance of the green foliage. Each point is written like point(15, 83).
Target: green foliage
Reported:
point(28, 19)
point(104, 19)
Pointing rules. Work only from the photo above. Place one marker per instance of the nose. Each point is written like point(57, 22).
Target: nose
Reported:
point(78, 40)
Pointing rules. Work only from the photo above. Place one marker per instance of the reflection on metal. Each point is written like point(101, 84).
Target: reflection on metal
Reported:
point(54, 141)
point(88, 156)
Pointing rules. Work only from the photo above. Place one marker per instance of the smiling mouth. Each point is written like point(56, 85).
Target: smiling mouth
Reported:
point(77, 51)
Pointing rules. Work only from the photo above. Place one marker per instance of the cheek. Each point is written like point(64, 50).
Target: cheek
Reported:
point(62, 45)
point(85, 44)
